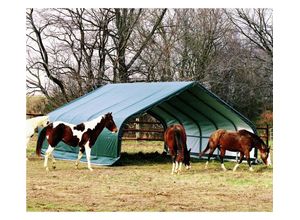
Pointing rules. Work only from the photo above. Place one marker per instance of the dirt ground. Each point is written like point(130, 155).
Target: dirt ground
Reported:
point(142, 181)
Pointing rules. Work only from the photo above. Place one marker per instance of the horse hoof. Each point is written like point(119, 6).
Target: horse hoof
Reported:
point(47, 169)
point(90, 169)
point(235, 167)
point(223, 167)
point(251, 169)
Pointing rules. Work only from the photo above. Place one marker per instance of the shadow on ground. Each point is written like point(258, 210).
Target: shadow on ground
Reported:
point(141, 158)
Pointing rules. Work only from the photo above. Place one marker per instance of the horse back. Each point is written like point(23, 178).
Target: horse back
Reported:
point(175, 137)
point(235, 141)
point(214, 138)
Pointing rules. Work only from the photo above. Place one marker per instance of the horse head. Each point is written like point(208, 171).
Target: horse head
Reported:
point(109, 123)
point(260, 145)
point(187, 158)
point(264, 153)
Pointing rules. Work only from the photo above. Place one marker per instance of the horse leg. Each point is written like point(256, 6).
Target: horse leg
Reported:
point(222, 154)
point(269, 161)
point(173, 156)
point(241, 160)
point(80, 153)
point(88, 155)
point(47, 154)
point(53, 161)
point(27, 141)
point(249, 161)
point(176, 166)
point(208, 157)
point(180, 165)
point(173, 167)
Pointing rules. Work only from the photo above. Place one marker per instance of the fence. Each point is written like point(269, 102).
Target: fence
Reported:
point(150, 129)
point(31, 115)
point(153, 131)
point(143, 131)
point(266, 133)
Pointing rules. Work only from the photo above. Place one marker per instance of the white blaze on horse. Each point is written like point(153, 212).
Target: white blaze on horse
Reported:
point(33, 123)
point(83, 135)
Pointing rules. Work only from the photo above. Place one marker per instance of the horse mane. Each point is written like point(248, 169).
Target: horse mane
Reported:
point(80, 127)
point(99, 126)
point(255, 137)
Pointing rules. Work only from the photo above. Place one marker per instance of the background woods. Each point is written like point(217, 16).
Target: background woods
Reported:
point(72, 51)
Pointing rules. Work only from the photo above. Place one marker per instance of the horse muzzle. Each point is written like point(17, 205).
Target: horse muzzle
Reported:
point(188, 167)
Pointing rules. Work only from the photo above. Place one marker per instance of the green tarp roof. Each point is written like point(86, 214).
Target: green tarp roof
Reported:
point(200, 111)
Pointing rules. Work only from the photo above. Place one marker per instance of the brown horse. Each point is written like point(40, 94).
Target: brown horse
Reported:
point(175, 139)
point(240, 141)
point(83, 135)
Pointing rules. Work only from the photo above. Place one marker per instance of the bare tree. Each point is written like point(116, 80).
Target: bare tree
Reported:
point(256, 25)
point(36, 36)
point(77, 44)
point(73, 51)
point(126, 20)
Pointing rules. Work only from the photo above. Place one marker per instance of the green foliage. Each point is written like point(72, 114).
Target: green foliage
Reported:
point(265, 118)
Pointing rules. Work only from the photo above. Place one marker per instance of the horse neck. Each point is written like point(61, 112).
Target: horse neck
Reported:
point(41, 122)
point(185, 150)
point(35, 122)
point(99, 127)
point(259, 144)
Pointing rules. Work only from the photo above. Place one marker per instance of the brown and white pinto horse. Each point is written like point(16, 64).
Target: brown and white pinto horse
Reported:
point(240, 141)
point(175, 139)
point(83, 135)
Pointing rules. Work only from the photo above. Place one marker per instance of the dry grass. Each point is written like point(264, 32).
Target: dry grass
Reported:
point(142, 182)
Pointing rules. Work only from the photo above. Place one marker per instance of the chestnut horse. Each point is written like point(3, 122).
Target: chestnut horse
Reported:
point(83, 135)
point(175, 139)
point(240, 141)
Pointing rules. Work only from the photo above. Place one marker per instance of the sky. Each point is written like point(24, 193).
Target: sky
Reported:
point(286, 108)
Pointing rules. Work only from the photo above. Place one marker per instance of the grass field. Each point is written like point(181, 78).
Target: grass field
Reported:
point(142, 181)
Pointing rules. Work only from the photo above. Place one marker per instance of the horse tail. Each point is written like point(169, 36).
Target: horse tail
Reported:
point(213, 141)
point(205, 150)
point(40, 141)
point(178, 140)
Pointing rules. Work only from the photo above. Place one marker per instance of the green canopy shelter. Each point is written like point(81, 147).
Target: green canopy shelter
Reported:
point(200, 111)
